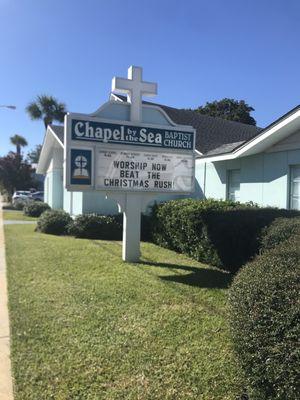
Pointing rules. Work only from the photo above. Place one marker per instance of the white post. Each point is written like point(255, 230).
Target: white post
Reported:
point(131, 205)
point(135, 88)
point(132, 228)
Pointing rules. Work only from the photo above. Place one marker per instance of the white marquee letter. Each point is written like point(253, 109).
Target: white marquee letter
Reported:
point(143, 135)
point(76, 129)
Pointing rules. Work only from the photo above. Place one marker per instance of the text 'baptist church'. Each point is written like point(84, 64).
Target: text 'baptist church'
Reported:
point(129, 134)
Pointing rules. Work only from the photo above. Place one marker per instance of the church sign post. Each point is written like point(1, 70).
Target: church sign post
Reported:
point(129, 160)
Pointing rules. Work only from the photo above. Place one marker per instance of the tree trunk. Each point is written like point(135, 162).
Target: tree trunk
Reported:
point(47, 121)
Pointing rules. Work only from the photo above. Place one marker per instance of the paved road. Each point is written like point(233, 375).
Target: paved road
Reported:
point(6, 387)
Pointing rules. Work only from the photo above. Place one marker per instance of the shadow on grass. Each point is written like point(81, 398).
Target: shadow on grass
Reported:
point(200, 277)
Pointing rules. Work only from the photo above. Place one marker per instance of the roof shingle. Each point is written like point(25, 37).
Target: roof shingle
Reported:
point(212, 132)
point(59, 131)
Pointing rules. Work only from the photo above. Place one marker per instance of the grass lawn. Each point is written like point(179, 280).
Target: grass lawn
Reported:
point(16, 216)
point(85, 325)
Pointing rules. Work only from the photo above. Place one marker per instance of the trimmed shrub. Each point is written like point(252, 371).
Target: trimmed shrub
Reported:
point(146, 226)
point(55, 222)
point(221, 233)
point(95, 226)
point(280, 230)
point(8, 207)
point(35, 208)
point(265, 322)
point(19, 204)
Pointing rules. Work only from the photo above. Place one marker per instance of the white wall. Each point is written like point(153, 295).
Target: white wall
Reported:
point(53, 185)
point(95, 202)
point(264, 177)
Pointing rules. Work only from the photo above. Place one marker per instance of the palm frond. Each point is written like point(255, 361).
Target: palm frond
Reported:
point(47, 103)
point(60, 112)
point(47, 108)
point(18, 141)
point(33, 110)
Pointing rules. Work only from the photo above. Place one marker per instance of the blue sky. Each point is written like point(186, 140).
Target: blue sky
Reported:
point(197, 51)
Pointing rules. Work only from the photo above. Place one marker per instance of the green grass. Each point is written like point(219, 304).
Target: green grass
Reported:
point(87, 326)
point(16, 216)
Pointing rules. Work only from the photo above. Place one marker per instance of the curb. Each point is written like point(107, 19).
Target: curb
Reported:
point(6, 386)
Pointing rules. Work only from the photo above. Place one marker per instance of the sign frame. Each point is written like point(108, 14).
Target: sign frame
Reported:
point(94, 146)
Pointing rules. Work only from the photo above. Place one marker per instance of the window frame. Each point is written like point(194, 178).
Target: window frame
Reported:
point(229, 181)
point(290, 186)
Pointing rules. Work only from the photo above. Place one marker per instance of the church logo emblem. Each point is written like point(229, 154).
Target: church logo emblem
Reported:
point(81, 171)
point(81, 161)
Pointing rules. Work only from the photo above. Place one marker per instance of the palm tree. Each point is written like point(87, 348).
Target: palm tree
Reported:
point(47, 108)
point(18, 141)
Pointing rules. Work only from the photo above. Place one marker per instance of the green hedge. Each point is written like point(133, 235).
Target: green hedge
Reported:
point(90, 226)
point(264, 313)
point(19, 204)
point(221, 233)
point(35, 208)
point(55, 222)
point(279, 231)
point(105, 227)
point(94, 226)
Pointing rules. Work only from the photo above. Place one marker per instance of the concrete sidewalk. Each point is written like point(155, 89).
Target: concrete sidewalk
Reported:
point(17, 222)
point(6, 388)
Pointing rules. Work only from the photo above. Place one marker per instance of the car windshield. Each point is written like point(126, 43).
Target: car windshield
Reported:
point(22, 192)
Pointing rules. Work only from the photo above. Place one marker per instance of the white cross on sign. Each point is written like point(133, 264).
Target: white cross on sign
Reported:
point(135, 89)
point(81, 162)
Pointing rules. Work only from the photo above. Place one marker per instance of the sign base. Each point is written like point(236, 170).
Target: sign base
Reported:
point(131, 205)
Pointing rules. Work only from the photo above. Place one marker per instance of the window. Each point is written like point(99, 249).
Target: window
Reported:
point(295, 187)
point(233, 184)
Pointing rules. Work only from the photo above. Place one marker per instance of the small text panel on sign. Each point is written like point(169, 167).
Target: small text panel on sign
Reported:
point(144, 171)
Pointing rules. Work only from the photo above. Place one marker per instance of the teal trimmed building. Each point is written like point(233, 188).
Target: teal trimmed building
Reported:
point(264, 168)
point(234, 161)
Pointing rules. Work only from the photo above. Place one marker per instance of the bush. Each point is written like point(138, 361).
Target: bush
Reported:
point(55, 222)
point(95, 226)
point(221, 233)
point(279, 231)
point(265, 322)
point(146, 226)
point(8, 207)
point(35, 208)
point(19, 204)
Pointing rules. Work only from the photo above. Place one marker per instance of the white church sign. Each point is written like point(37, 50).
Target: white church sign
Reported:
point(129, 160)
point(129, 157)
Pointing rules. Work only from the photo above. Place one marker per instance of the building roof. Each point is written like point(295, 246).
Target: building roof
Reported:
point(58, 130)
point(212, 133)
point(224, 148)
point(277, 131)
point(216, 137)
point(54, 138)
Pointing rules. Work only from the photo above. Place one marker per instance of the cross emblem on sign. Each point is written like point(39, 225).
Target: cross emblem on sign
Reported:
point(80, 162)
point(135, 88)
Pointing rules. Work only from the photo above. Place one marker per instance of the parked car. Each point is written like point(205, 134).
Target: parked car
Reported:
point(37, 196)
point(21, 195)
